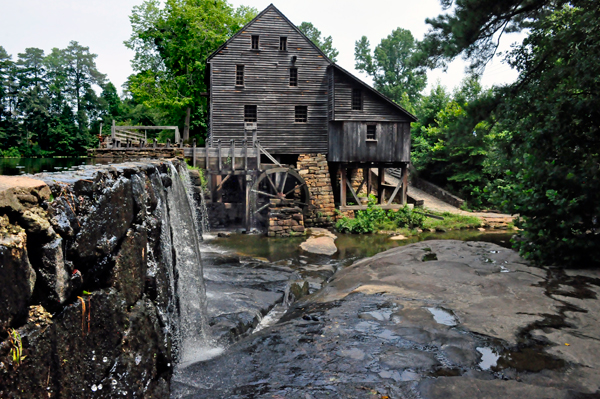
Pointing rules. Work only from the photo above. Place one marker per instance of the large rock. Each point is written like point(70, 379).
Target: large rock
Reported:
point(106, 223)
point(19, 193)
point(17, 277)
point(54, 274)
point(473, 321)
point(321, 241)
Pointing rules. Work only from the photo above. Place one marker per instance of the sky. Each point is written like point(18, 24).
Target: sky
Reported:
point(103, 26)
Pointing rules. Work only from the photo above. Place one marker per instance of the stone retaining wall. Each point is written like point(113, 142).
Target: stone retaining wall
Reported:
point(315, 171)
point(285, 220)
point(436, 191)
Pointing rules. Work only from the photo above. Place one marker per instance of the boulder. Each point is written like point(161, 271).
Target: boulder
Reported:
point(17, 277)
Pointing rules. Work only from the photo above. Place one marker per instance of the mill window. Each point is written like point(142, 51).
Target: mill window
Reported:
point(283, 43)
point(371, 132)
point(357, 99)
point(250, 113)
point(239, 75)
point(255, 42)
point(301, 113)
point(293, 76)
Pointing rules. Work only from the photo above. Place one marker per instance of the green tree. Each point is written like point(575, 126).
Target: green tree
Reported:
point(390, 65)
point(172, 45)
point(324, 43)
point(550, 140)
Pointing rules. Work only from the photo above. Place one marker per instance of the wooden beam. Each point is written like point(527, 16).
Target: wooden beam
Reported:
point(380, 187)
point(389, 201)
point(363, 207)
point(404, 184)
point(352, 191)
point(343, 186)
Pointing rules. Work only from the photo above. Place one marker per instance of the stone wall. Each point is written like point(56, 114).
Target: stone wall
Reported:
point(85, 292)
point(436, 191)
point(315, 171)
point(285, 220)
point(135, 154)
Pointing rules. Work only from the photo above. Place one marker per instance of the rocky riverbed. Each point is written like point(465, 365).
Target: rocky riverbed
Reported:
point(434, 319)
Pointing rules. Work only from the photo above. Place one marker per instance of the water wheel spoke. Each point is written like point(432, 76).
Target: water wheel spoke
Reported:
point(262, 207)
point(273, 185)
point(284, 180)
point(263, 193)
point(294, 189)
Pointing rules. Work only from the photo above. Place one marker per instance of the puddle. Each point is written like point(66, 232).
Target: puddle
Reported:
point(489, 358)
point(443, 316)
point(380, 315)
point(428, 257)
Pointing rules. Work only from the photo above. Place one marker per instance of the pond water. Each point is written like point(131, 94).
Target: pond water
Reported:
point(21, 166)
point(351, 247)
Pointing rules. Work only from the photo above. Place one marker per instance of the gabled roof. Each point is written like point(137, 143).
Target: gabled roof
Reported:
point(374, 91)
point(263, 12)
point(331, 63)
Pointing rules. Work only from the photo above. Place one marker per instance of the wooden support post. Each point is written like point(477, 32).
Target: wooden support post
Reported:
point(154, 145)
point(404, 184)
point(343, 186)
point(232, 148)
point(380, 188)
point(219, 184)
point(248, 188)
point(207, 166)
point(194, 153)
point(100, 137)
point(369, 181)
point(168, 143)
point(112, 133)
point(245, 144)
point(256, 145)
point(220, 164)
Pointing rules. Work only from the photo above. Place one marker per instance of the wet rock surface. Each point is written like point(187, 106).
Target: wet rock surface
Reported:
point(87, 296)
point(477, 322)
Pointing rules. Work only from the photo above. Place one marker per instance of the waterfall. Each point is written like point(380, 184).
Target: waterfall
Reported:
point(194, 343)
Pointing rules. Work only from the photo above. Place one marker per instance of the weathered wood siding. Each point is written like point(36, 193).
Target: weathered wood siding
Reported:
point(374, 109)
point(348, 142)
point(266, 84)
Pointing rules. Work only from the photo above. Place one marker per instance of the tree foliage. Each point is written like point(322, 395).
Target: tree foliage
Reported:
point(324, 43)
point(547, 140)
point(48, 102)
point(171, 47)
point(390, 65)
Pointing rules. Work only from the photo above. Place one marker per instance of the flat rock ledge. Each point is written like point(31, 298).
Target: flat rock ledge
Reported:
point(436, 319)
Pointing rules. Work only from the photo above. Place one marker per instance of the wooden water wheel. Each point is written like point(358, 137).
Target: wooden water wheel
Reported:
point(278, 183)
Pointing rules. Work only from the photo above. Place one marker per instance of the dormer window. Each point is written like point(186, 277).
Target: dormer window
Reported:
point(239, 75)
point(283, 43)
point(255, 42)
point(357, 99)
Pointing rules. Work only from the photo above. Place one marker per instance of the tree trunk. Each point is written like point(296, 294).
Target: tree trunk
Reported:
point(186, 126)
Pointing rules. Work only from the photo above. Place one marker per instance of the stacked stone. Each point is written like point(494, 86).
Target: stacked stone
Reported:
point(315, 171)
point(285, 219)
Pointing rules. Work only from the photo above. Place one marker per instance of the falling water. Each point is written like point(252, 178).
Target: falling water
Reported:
point(195, 343)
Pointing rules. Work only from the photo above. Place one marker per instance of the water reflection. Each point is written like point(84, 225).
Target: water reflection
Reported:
point(351, 247)
point(20, 166)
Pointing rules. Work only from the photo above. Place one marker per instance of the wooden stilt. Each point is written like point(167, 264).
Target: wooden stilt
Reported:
point(194, 153)
point(380, 188)
point(343, 183)
point(248, 188)
point(404, 184)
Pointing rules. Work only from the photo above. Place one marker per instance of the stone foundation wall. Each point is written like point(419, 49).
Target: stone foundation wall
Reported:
point(134, 154)
point(315, 171)
point(285, 220)
point(84, 284)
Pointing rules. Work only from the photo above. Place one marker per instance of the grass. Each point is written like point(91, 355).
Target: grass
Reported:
point(451, 221)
